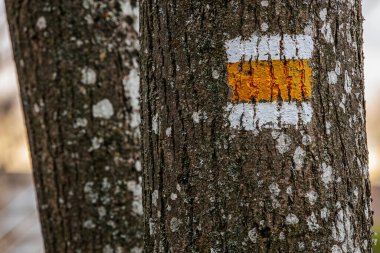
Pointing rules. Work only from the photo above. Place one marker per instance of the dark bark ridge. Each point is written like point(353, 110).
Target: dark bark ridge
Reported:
point(77, 64)
point(210, 187)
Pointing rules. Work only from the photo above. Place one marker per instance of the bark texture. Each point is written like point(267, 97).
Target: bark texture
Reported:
point(210, 187)
point(77, 64)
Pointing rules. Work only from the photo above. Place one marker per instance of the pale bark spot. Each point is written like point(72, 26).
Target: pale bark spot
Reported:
point(312, 223)
point(88, 76)
point(96, 143)
point(215, 74)
point(347, 82)
point(198, 116)
point(274, 189)
point(41, 23)
point(332, 77)
point(155, 124)
point(137, 250)
point(136, 189)
point(326, 174)
point(336, 249)
point(80, 122)
point(155, 197)
point(283, 143)
point(103, 109)
point(306, 140)
point(252, 234)
point(102, 211)
point(292, 219)
point(175, 224)
point(264, 3)
point(312, 196)
point(289, 190)
point(264, 27)
point(89, 224)
point(173, 196)
point(152, 227)
point(328, 127)
point(325, 214)
point(168, 131)
point(138, 166)
point(108, 249)
point(298, 158)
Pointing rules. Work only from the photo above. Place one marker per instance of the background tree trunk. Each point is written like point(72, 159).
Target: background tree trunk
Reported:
point(282, 170)
point(77, 64)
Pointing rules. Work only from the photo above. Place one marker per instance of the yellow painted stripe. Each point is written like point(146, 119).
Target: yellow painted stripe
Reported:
point(270, 80)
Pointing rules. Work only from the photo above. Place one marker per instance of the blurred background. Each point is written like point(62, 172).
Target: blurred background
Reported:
point(19, 225)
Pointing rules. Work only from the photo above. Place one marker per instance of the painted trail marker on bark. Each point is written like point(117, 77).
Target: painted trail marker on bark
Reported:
point(271, 81)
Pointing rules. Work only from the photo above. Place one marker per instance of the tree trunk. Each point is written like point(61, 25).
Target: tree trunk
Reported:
point(77, 64)
point(253, 127)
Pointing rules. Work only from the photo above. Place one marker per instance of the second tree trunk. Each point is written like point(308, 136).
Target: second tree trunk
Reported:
point(254, 127)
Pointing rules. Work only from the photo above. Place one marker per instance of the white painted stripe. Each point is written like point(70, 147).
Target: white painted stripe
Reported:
point(271, 47)
point(251, 117)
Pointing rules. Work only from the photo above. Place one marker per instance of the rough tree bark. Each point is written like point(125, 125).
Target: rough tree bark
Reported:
point(77, 64)
point(253, 126)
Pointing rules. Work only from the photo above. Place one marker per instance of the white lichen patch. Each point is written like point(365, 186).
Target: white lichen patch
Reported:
point(96, 143)
point(168, 131)
point(198, 116)
point(291, 219)
point(131, 84)
point(326, 27)
point(136, 190)
point(138, 166)
point(175, 224)
point(90, 193)
point(328, 127)
point(323, 14)
point(343, 230)
point(173, 196)
point(336, 249)
point(88, 76)
point(289, 190)
point(155, 197)
point(89, 19)
point(283, 143)
point(215, 74)
point(299, 157)
point(41, 23)
point(332, 77)
point(80, 122)
point(264, 3)
point(103, 109)
point(326, 175)
point(306, 140)
point(325, 214)
point(89, 224)
point(312, 196)
point(252, 235)
point(301, 246)
point(264, 27)
point(155, 124)
point(312, 222)
point(152, 227)
point(274, 189)
point(108, 249)
point(347, 82)
point(102, 211)
point(137, 250)
point(132, 11)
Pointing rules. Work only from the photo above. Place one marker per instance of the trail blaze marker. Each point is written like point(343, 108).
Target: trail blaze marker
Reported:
point(271, 81)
